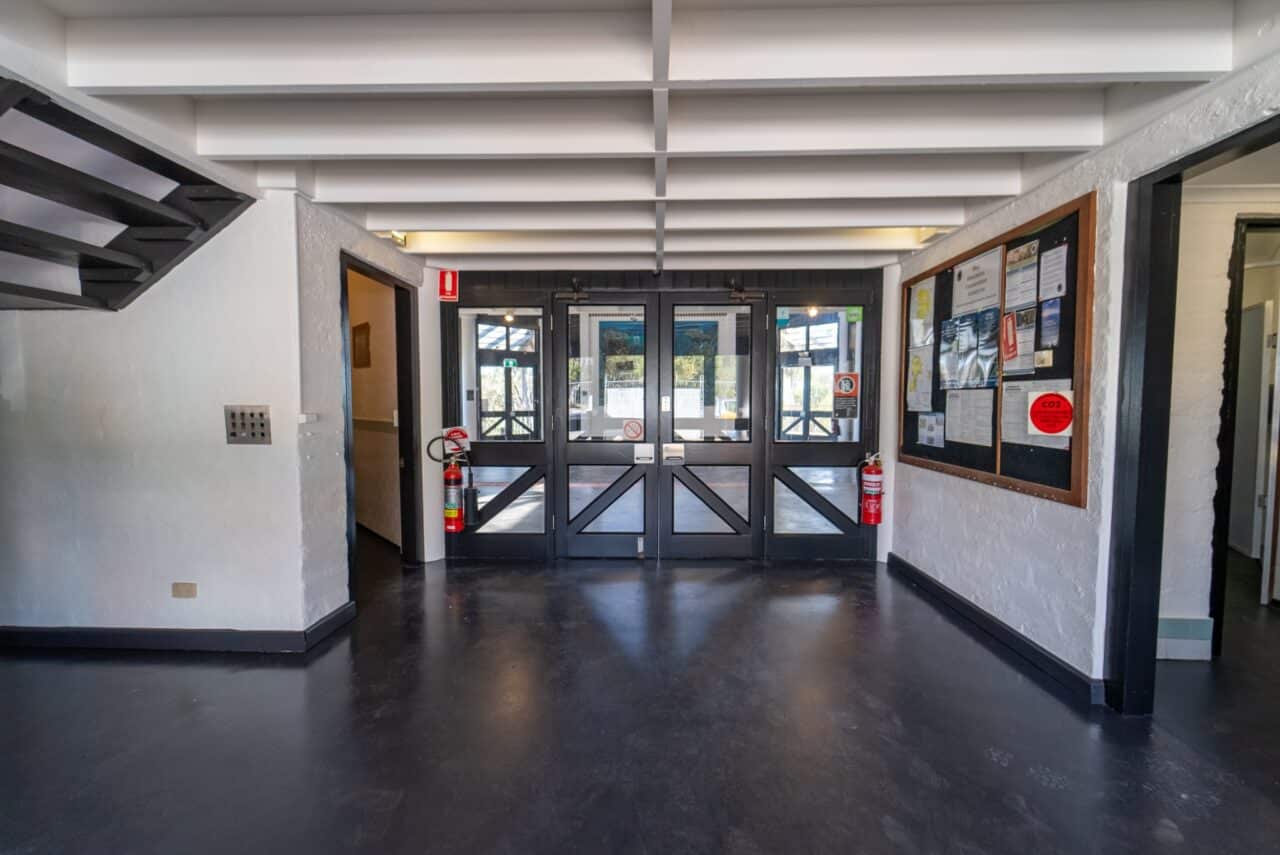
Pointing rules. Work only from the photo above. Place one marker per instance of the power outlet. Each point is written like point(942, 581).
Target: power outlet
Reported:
point(184, 590)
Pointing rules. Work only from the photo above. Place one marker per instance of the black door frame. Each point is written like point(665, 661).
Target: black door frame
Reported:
point(499, 291)
point(1142, 427)
point(408, 402)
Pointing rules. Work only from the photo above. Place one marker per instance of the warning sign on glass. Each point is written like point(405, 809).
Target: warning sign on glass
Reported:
point(845, 404)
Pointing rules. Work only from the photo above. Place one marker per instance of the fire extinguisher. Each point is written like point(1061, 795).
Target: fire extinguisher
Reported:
point(872, 491)
point(455, 515)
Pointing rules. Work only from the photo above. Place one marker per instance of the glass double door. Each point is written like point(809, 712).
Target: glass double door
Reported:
point(659, 399)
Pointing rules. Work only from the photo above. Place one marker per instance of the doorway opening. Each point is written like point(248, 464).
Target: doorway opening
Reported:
point(1189, 233)
point(383, 423)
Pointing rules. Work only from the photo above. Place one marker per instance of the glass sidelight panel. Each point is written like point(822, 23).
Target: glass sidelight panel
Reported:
point(730, 483)
point(500, 371)
point(624, 516)
point(793, 515)
point(692, 516)
point(837, 484)
point(525, 515)
point(588, 482)
point(492, 480)
point(711, 367)
point(819, 372)
point(606, 373)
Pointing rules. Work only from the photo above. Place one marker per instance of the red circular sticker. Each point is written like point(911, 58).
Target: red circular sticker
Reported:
point(1051, 413)
point(633, 428)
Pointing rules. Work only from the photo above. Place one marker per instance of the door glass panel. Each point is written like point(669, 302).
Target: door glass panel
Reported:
point(711, 367)
point(818, 382)
point(500, 373)
point(606, 373)
point(624, 516)
point(588, 482)
point(525, 515)
point(837, 484)
point(793, 515)
point(730, 483)
point(692, 515)
point(492, 480)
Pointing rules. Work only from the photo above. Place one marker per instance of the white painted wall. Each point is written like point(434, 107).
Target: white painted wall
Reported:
point(116, 479)
point(890, 369)
point(1040, 566)
point(431, 397)
point(376, 445)
point(1200, 332)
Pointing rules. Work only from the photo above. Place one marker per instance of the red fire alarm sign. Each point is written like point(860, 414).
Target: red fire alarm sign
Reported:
point(449, 286)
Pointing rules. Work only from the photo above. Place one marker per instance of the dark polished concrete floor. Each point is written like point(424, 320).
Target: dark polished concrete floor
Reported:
point(1231, 706)
point(603, 708)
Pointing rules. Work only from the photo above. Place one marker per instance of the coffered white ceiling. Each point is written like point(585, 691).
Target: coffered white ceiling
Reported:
point(611, 133)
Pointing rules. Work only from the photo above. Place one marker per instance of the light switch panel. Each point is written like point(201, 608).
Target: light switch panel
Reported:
point(247, 424)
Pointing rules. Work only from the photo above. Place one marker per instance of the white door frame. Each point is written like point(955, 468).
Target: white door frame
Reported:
point(1272, 457)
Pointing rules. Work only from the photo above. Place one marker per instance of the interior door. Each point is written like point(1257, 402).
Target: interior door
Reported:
point(711, 499)
point(824, 385)
point(606, 418)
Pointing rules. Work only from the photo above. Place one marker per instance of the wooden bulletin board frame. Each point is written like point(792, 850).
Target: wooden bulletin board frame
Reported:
point(1085, 208)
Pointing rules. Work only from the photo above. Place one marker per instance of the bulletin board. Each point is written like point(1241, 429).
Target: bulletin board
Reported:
point(995, 359)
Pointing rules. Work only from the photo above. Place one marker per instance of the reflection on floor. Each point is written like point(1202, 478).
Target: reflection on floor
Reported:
point(1232, 706)
point(603, 707)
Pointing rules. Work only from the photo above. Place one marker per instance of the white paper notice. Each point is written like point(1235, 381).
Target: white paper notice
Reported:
point(975, 284)
point(1013, 413)
point(921, 313)
point(929, 429)
point(1053, 272)
point(920, 378)
point(1020, 276)
point(969, 416)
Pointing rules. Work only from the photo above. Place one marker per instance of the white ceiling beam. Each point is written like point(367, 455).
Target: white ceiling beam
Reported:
point(798, 240)
point(661, 38)
point(265, 129)
point(359, 53)
point(883, 123)
point(845, 177)
point(901, 44)
point(777, 260)
point(814, 214)
point(372, 182)
point(532, 216)
point(575, 261)
point(527, 243)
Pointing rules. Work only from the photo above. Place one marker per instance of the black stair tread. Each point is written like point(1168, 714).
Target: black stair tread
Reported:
point(48, 246)
point(27, 171)
point(43, 298)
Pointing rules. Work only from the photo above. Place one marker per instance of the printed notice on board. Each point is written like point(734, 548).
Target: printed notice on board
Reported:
point(920, 378)
point(1013, 413)
point(1021, 275)
point(1018, 342)
point(975, 284)
point(1053, 272)
point(929, 429)
point(968, 416)
point(920, 307)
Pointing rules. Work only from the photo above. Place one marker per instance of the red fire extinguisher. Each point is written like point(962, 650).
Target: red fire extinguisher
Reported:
point(455, 519)
point(872, 491)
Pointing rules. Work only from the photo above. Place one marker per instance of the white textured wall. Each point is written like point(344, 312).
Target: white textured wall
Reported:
point(890, 368)
point(1040, 566)
point(116, 479)
point(374, 400)
point(1200, 332)
point(323, 234)
point(432, 397)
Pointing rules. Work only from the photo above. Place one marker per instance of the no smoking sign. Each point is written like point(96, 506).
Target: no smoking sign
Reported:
point(1050, 414)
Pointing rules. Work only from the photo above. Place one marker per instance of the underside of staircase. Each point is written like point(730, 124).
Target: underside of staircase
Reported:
point(158, 233)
